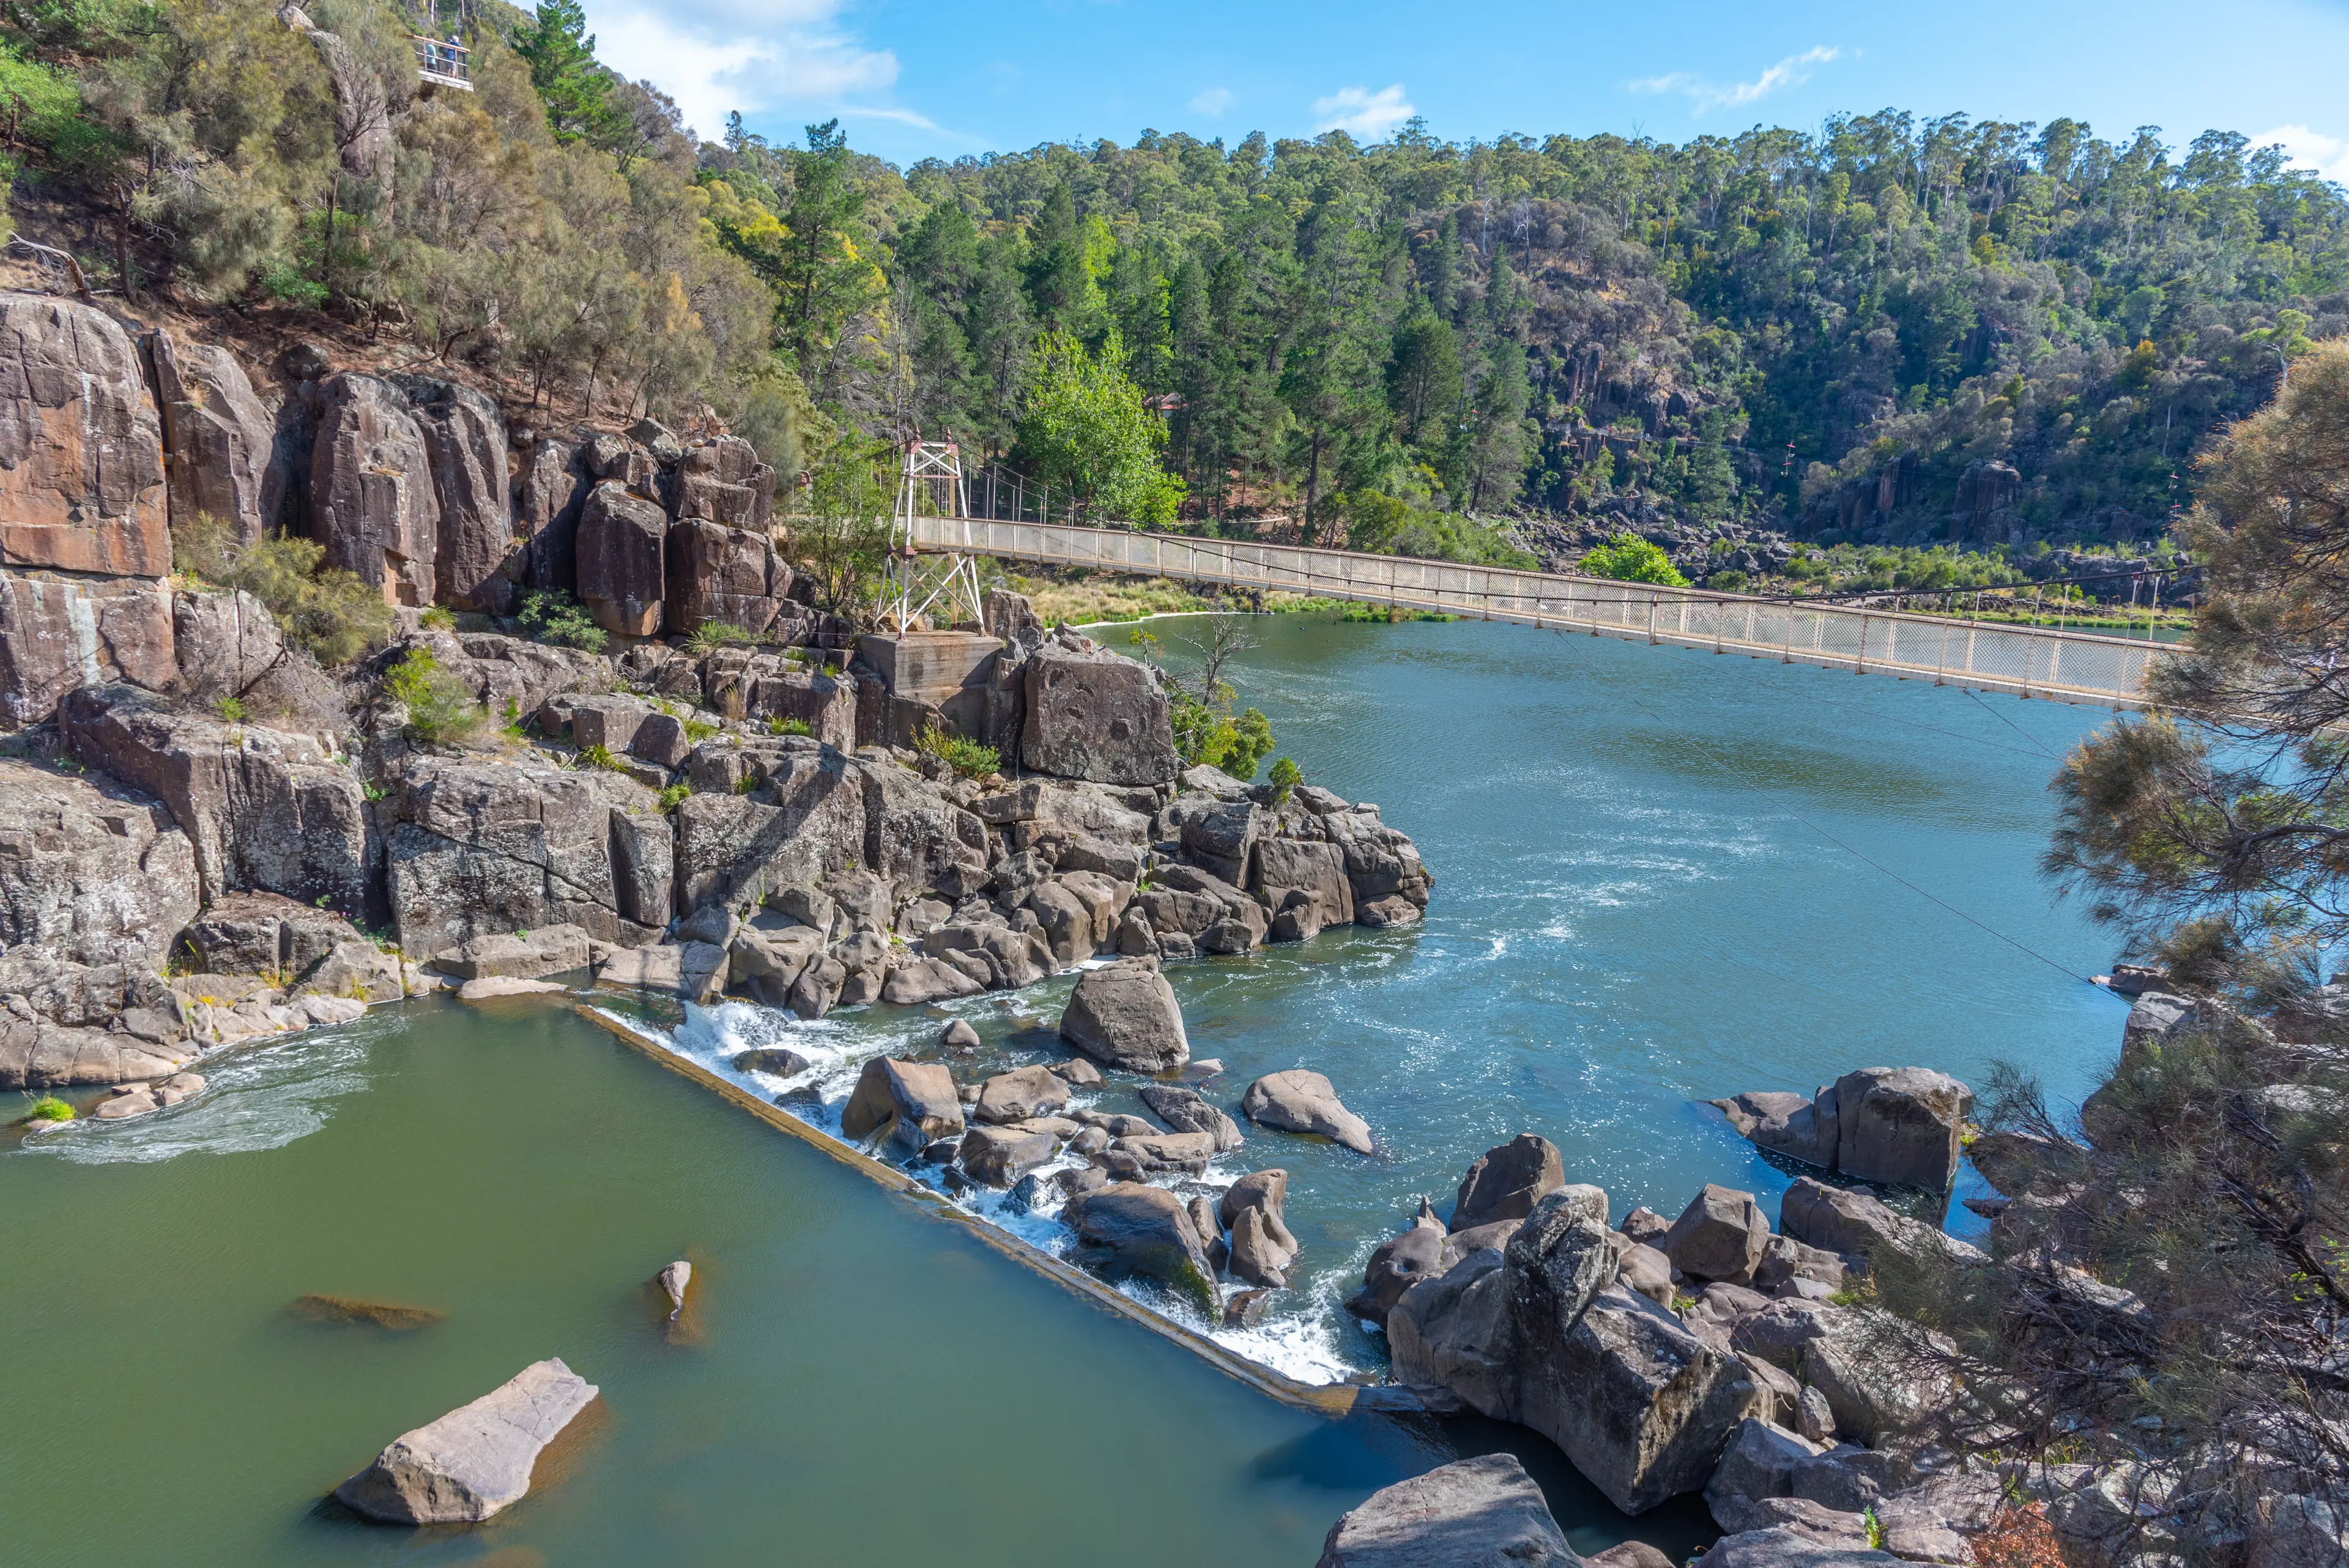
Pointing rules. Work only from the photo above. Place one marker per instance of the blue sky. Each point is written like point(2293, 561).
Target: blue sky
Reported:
point(915, 78)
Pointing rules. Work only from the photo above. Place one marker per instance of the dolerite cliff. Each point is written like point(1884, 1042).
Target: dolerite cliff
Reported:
point(179, 871)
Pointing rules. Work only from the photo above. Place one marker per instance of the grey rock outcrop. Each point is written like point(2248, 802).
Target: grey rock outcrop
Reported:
point(732, 576)
point(372, 504)
point(464, 439)
point(1125, 1014)
point(89, 873)
point(81, 448)
point(1094, 715)
point(262, 808)
point(621, 543)
point(1719, 1236)
point(549, 493)
point(1474, 1513)
point(476, 1461)
point(221, 445)
point(475, 847)
point(59, 633)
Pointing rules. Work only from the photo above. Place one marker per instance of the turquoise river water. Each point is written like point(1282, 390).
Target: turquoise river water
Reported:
point(1662, 876)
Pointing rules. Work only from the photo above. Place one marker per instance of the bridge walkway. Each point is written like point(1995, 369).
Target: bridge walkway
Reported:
point(2088, 668)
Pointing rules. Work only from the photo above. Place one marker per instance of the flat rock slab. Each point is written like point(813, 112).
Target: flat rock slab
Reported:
point(1303, 1102)
point(1471, 1514)
point(475, 1460)
point(491, 986)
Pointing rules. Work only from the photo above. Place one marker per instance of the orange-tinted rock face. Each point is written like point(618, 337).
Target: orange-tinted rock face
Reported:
point(81, 449)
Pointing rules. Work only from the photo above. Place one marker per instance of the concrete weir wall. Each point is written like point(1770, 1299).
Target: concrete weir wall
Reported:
point(934, 676)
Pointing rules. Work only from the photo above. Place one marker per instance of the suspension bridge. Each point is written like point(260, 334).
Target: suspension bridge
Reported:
point(936, 540)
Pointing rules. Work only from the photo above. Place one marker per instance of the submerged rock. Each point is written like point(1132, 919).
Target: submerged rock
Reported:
point(673, 1281)
point(1470, 1514)
point(476, 1461)
point(375, 1314)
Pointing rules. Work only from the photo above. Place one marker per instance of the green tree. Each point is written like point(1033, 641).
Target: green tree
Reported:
point(576, 91)
point(1086, 430)
point(1628, 558)
point(824, 278)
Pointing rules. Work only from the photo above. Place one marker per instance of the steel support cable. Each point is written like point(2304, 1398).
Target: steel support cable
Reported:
point(1865, 860)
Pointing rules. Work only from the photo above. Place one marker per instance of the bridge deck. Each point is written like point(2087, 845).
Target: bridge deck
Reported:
point(2085, 668)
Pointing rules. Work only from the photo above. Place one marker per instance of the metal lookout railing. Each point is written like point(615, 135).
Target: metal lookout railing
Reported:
point(2078, 666)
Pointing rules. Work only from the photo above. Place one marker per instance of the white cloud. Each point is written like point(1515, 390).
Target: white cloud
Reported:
point(2306, 149)
point(1791, 71)
point(1213, 101)
point(1360, 113)
point(746, 54)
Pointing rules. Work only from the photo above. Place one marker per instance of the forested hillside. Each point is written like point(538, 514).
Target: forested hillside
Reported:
point(1894, 331)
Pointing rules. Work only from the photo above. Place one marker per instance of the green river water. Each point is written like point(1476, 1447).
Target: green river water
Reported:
point(1663, 876)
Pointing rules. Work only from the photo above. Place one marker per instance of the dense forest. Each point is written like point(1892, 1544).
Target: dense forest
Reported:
point(1893, 331)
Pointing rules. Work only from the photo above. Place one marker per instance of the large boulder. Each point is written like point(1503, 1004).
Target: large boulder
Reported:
point(1454, 1331)
point(622, 578)
point(1019, 1093)
point(1125, 1014)
point(1475, 1513)
point(59, 633)
point(1092, 714)
point(229, 644)
point(475, 847)
point(1900, 1126)
point(999, 1155)
point(1506, 1181)
point(721, 480)
point(921, 1094)
point(476, 1461)
point(1801, 1127)
point(1127, 1227)
point(548, 494)
point(1396, 1265)
point(1718, 1237)
point(1760, 1462)
point(220, 443)
point(262, 808)
point(1185, 1111)
point(265, 934)
point(729, 576)
point(1300, 1101)
point(811, 812)
point(1642, 1406)
point(88, 872)
point(1304, 883)
point(81, 448)
point(373, 503)
point(465, 442)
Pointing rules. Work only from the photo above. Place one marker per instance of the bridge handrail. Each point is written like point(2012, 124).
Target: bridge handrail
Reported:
point(2035, 662)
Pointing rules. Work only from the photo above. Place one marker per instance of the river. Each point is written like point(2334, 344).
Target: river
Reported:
point(1662, 876)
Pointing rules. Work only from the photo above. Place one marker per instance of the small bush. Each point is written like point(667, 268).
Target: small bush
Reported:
point(49, 1108)
point(438, 617)
point(674, 796)
point(556, 617)
point(712, 635)
point(789, 727)
point(968, 758)
point(323, 611)
point(1728, 582)
point(440, 710)
point(698, 729)
point(231, 709)
point(1284, 778)
point(746, 783)
point(513, 728)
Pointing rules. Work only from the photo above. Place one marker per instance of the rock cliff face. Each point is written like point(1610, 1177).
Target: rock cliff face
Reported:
point(220, 445)
point(81, 466)
point(372, 502)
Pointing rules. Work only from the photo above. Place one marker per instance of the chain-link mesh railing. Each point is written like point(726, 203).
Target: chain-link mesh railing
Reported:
point(2063, 666)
